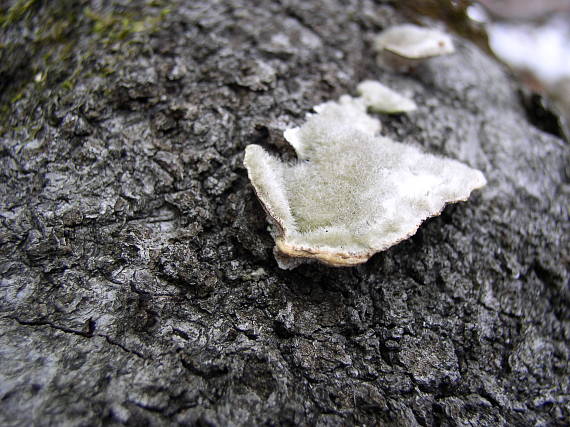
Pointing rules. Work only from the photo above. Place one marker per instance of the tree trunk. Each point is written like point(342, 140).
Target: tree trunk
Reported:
point(137, 276)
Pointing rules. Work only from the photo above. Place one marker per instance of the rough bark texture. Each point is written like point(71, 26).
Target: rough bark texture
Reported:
point(137, 276)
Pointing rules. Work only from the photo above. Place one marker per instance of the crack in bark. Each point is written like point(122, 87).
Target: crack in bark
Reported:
point(121, 346)
point(85, 334)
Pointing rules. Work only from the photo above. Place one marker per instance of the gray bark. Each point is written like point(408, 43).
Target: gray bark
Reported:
point(138, 284)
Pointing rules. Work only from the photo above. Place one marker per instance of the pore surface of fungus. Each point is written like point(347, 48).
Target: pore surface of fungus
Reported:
point(351, 193)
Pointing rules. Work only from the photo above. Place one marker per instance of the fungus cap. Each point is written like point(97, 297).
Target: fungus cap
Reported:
point(382, 99)
point(351, 193)
point(413, 42)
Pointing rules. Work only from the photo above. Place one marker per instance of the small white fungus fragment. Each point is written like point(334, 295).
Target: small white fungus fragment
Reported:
point(351, 193)
point(382, 99)
point(413, 42)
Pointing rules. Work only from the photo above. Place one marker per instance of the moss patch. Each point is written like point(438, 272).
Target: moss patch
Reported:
point(68, 41)
point(16, 12)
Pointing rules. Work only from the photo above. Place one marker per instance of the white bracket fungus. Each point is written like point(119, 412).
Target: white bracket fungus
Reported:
point(403, 46)
point(351, 193)
point(382, 99)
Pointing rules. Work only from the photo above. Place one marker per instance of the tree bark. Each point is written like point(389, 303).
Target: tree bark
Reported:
point(137, 276)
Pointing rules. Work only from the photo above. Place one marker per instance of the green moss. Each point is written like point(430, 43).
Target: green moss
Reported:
point(115, 28)
point(107, 71)
point(68, 43)
point(68, 84)
point(16, 12)
point(17, 97)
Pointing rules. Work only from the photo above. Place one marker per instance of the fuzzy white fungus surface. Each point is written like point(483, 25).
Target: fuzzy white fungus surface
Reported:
point(352, 193)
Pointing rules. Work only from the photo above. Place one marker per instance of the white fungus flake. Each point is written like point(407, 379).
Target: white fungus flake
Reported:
point(403, 47)
point(413, 42)
point(351, 193)
point(382, 99)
